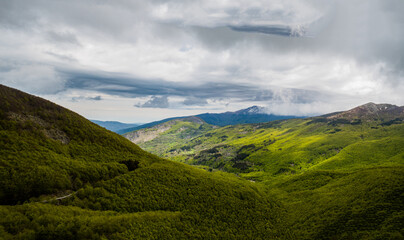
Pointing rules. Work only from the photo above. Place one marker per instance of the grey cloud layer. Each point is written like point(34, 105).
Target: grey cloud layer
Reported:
point(200, 50)
point(275, 30)
point(194, 94)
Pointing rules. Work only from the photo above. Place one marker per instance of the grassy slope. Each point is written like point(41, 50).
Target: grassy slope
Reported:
point(337, 180)
point(281, 148)
point(177, 134)
point(119, 191)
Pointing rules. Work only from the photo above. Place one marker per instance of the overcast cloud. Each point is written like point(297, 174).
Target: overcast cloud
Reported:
point(138, 61)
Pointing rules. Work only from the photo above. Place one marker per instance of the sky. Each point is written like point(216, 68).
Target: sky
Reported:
point(140, 61)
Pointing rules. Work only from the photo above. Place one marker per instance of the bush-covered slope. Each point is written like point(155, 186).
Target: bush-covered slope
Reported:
point(63, 177)
point(282, 148)
point(339, 176)
point(45, 148)
point(363, 204)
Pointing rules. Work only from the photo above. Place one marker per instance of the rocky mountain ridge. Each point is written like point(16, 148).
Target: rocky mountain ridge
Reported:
point(371, 111)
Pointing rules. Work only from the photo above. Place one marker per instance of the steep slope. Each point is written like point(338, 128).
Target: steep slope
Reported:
point(45, 148)
point(63, 177)
point(114, 125)
point(252, 114)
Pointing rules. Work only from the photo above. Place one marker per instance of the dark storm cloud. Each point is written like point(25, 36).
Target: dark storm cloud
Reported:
point(285, 31)
point(138, 87)
point(194, 94)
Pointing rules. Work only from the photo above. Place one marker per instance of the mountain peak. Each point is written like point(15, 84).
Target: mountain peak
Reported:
point(373, 107)
point(252, 110)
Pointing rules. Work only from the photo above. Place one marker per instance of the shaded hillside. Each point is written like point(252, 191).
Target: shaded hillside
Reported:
point(45, 148)
point(252, 114)
point(111, 189)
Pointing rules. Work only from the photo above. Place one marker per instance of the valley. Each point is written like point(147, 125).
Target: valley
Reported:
point(339, 173)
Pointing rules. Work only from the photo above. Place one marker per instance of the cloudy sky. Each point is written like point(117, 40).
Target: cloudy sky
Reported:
point(138, 61)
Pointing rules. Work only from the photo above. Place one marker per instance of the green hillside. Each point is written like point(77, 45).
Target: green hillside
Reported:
point(282, 148)
point(362, 204)
point(339, 176)
point(332, 177)
point(108, 188)
point(163, 139)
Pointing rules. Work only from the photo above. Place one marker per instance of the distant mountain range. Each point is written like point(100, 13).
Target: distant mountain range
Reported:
point(114, 125)
point(254, 114)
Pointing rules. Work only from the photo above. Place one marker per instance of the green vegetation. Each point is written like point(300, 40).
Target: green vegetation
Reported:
point(46, 149)
point(166, 137)
point(338, 178)
point(279, 149)
point(365, 204)
point(63, 177)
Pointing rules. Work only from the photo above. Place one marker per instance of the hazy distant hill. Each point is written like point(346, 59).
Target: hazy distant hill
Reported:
point(252, 114)
point(114, 125)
